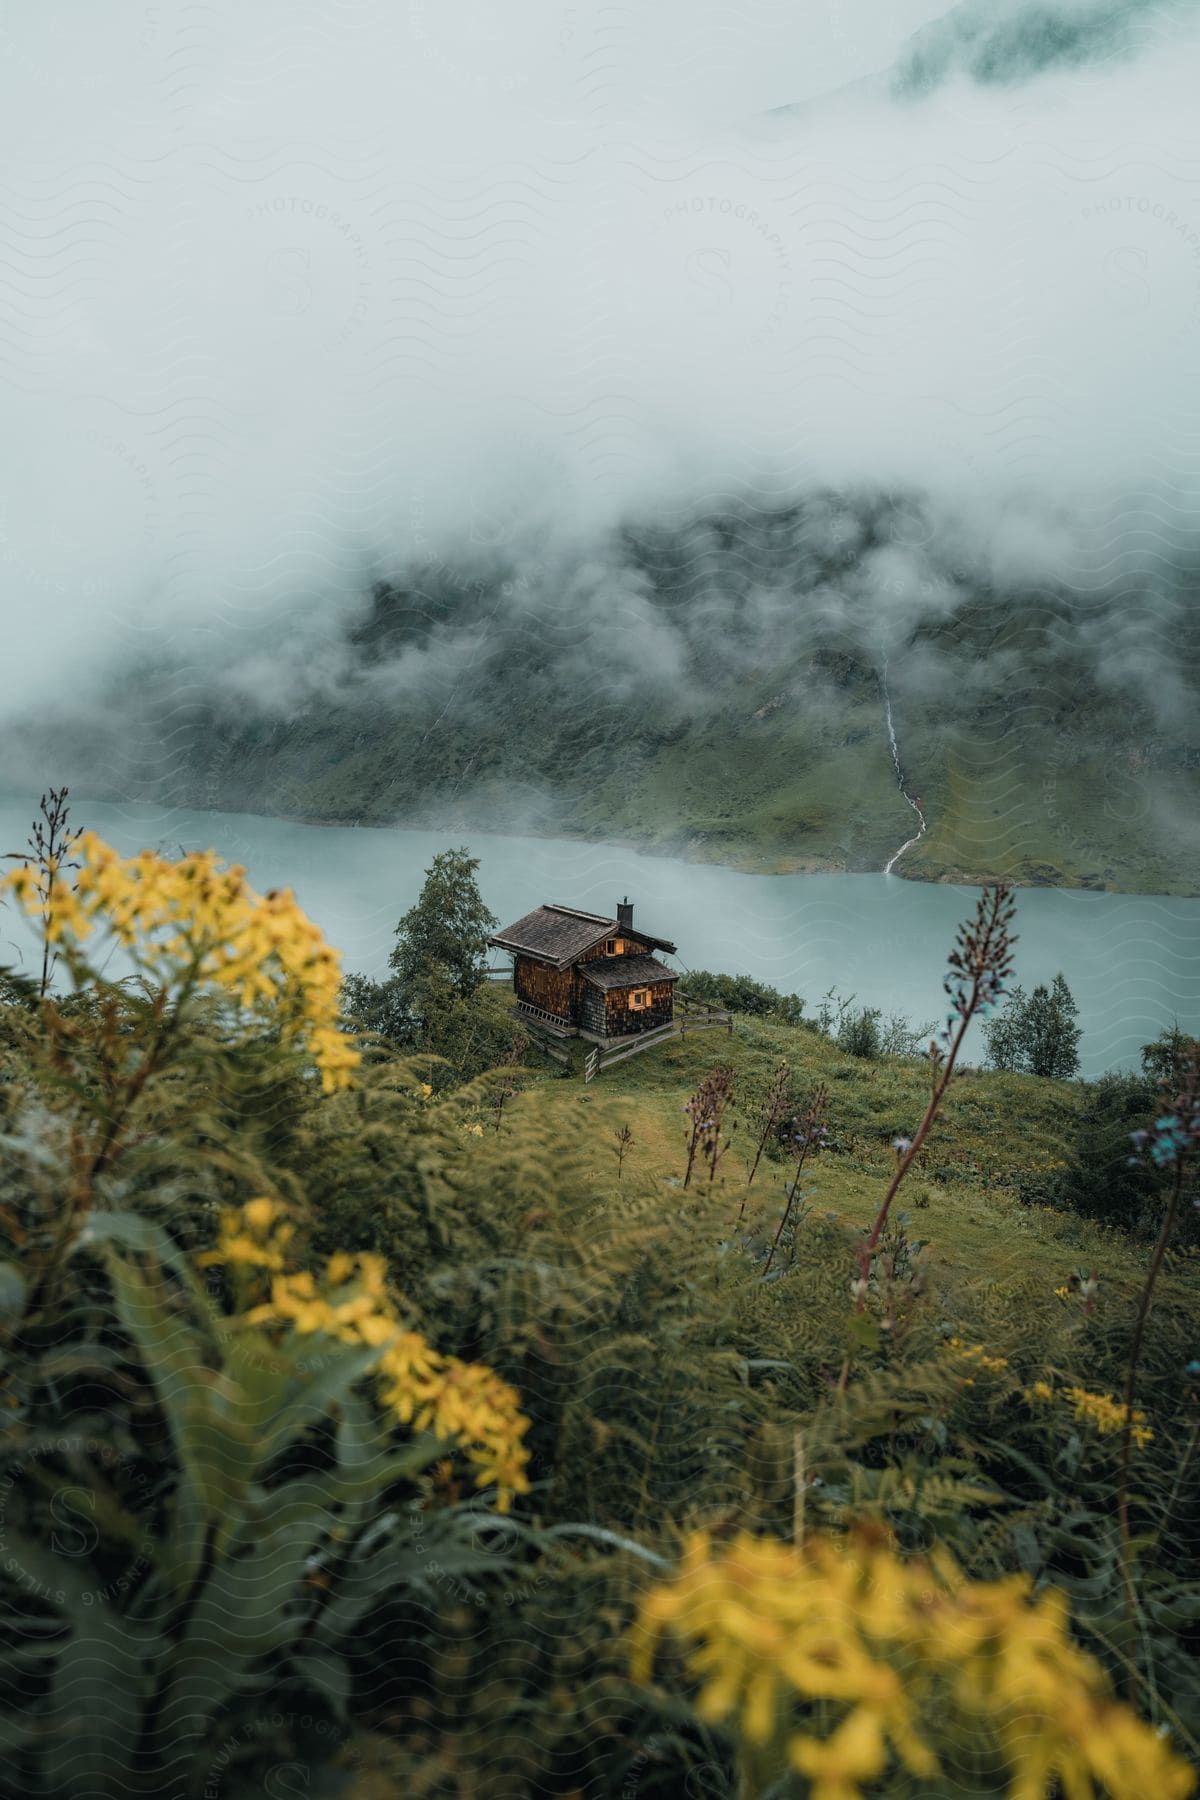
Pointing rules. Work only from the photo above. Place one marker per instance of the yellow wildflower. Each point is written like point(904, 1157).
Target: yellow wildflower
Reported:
point(193, 923)
point(462, 1402)
point(1107, 1414)
point(247, 1237)
point(768, 1626)
point(242, 1248)
point(856, 1752)
point(261, 1214)
point(976, 1354)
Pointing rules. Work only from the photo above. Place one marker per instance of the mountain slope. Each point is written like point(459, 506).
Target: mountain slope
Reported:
point(714, 688)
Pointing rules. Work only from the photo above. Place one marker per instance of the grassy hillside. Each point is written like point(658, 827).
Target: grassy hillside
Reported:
point(1000, 1134)
point(368, 1426)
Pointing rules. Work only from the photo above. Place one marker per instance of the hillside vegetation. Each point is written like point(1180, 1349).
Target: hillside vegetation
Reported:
point(378, 1432)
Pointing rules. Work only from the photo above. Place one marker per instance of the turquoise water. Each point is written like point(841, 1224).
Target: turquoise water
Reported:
point(1132, 961)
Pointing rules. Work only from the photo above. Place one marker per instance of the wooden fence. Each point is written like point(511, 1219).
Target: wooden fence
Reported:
point(691, 1015)
point(698, 1015)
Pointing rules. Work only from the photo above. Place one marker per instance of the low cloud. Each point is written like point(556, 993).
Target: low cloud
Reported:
point(301, 303)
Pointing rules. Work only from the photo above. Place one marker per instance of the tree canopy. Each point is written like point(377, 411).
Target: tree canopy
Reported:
point(431, 1001)
point(448, 927)
point(1036, 1034)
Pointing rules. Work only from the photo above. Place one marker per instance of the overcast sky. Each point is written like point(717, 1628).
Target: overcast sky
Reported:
point(291, 293)
point(70, 63)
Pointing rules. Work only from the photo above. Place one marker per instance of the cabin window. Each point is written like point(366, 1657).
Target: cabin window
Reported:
point(640, 997)
point(615, 947)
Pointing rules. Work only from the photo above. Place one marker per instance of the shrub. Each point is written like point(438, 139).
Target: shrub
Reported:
point(381, 1007)
point(1164, 1059)
point(1099, 1180)
point(740, 993)
point(859, 1033)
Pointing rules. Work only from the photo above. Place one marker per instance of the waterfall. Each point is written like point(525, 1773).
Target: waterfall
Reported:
point(891, 731)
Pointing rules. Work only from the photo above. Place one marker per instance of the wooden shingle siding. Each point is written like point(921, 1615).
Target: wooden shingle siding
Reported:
point(621, 1019)
point(633, 947)
point(593, 1015)
point(551, 989)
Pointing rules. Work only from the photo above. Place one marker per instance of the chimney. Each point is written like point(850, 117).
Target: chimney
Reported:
point(625, 914)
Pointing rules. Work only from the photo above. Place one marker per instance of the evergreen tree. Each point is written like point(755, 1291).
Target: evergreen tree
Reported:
point(1037, 1035)
point(447, 930)
point(1163, 1060)
point(1003, 1033)
point(470, 1035)
point(1052, 1036)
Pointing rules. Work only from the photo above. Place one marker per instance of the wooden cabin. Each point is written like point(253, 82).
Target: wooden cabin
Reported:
point(589, 975)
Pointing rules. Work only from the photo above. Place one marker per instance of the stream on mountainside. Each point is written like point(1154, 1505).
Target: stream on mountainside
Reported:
point(914, 803)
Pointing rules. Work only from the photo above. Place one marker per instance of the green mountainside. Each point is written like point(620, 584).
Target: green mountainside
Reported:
point(715, 688)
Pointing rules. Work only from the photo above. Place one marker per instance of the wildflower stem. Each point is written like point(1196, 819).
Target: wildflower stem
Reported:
point(799, 1486)
point(1180, 1476)
point(986, 951)
point(706, 1109)
point(50, 846)
point(1131, 1374)
point(90, 1161)
point(810, 1129)
point(979, 966)
point(867, 1250)
point(167, 1021)
point(787, 1212)
point(772, 1112)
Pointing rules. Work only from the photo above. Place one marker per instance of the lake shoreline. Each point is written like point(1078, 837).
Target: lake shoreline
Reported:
point(747, 862)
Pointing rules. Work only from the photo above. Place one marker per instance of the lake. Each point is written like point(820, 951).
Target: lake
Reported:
point(1132, 961)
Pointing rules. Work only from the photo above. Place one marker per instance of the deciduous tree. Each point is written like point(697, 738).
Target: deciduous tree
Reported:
point(448, 928)
point(1037, 1034)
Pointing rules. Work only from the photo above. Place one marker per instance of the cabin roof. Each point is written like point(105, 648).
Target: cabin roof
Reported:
point(626, 971)
point(560, 935)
